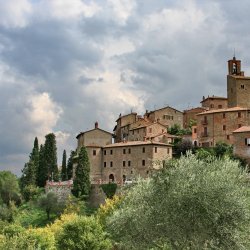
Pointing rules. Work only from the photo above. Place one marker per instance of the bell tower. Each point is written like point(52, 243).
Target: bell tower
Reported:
point(234, 67)
point(238, 85)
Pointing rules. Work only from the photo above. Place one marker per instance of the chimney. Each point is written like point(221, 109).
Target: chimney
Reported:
point(96, 125)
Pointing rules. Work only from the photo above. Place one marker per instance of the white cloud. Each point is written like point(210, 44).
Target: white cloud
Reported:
point(15, 13)
point(67, 9)
point(43, 113)
point(122, 9)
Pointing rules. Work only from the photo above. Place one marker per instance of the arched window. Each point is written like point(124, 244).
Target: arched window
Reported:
point(111, 178)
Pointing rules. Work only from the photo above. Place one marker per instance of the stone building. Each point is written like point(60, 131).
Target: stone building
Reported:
point(128, 160)
point(94, 140)
point(166, 116)
point(214, 102)
point(124, 160)
point(191, 115)
point(241, 137)
point(218, 123)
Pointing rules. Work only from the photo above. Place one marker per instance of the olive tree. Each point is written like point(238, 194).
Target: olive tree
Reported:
point(190, 204)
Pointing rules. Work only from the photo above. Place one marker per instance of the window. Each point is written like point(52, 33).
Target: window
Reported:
point(224, 115)
point(219, 106)
point(124, 151)
point(124, 163)
point(242, 86)
point(155, 149)
point(228, 137)
point(224, 127)
point(129, 163)
point(147, 172)
point(94, 152)
point(104, 152)
point(211, 106)
point(111, 164)
point(239, 125)
point(143, 162)
point(205, 119)
point(111, 151)
point(232, 90)
point(247, 141)
point(105, 164)
point(138, 131)
point(143, 150)
point(239, 114)
point(195, 130)
point(129, 151)
point(168, 150)
point(133, 132)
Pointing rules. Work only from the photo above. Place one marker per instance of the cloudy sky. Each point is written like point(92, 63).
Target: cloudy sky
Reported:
point(65, 64)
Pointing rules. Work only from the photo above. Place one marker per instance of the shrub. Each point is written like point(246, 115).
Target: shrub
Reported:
point(109, 189)
point(83, 233)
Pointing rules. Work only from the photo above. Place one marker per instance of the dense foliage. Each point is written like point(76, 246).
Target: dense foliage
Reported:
point(190, 204)
point(81, 186)
point(109, 189)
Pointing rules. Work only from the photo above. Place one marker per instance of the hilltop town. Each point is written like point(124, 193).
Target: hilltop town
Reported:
point(138, 141)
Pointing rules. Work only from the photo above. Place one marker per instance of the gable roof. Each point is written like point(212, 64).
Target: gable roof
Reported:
point(234, 109)
point(214, 97)
point(81, 133)
point(242, 129)
point(164, 108)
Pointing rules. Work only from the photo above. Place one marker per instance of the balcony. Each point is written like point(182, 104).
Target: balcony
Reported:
point(204, 122)
point(204, 134)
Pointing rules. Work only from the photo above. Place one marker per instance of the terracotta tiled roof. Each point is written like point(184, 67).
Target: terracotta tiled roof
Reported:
point(134, 143)
point(242, 129)
point(214, 97)
point(81, 133)
point(223, 110)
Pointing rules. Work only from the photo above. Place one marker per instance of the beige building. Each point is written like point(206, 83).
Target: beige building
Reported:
point(128, 160)
point(125, 160)
point(241, 137)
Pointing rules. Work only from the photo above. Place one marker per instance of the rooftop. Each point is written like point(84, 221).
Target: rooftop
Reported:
point(242, 129)
point(135, 143)
point(234, 109)
point(213, 97)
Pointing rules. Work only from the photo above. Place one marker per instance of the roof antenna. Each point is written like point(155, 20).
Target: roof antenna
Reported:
point(234, 54)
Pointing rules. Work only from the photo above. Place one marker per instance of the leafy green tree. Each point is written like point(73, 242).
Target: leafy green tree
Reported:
point(70, 165)
point(43, 170)
point(222, 149)
point(190, 204)
point(50, 156)
point(30, 192)
point(64, 167)
point(83, 233)
point(81, 185)
point(49, 202)
point(9, 187)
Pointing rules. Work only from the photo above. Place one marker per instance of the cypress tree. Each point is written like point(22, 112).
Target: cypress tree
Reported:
point(50, 156)
point(70, 165)
point(81, 185)
point(29, 171)
point(64, 167)
point(42, 173)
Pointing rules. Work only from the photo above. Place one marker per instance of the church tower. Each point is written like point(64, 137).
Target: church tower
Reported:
point(238, 86)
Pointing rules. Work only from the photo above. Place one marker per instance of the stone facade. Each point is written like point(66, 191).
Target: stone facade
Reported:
point(61, 189)
point(218, 125)
point(241, 138)
point(214, 102)
point(191, 115)
point(128, 160)
point(167, 116)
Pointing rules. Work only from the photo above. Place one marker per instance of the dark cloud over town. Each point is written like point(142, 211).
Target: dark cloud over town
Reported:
point(66, 64)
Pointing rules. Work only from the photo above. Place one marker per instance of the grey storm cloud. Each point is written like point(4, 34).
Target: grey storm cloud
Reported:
point(66, 64)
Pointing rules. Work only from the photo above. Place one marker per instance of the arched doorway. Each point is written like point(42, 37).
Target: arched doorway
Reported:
point(111, 178)
point(124, 178)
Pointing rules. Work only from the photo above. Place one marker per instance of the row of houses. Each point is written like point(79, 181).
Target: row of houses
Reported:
point(139, 144)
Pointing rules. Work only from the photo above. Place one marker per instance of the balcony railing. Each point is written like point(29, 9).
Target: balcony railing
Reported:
point(204, 134)
point(204, 122)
